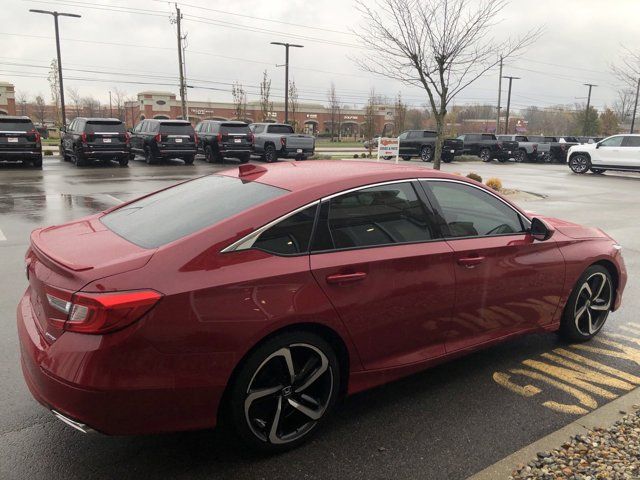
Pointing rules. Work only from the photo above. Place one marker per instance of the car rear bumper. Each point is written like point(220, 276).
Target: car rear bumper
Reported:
point(90, 153)
point(295, 152)
point(118, 410)
point(171, 153)
point(15, 155)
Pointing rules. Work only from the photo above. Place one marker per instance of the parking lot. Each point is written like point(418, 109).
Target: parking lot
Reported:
point(449, 422)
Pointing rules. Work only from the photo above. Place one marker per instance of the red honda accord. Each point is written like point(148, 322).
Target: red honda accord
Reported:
point(264, 294)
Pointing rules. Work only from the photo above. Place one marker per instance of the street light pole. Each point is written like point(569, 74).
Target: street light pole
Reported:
point(55, 21)
point(286, 76)
point(506, 122)
point(635, 108)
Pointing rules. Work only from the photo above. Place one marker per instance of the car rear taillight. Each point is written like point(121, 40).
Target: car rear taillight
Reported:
point(499, 144)
point(283, 141)
point(127, 138)
point(83, 137)
point(219, 137)
point(195, 138)
point(535, 146)
point(250, 137)
point(97, 313)
point(158, 138)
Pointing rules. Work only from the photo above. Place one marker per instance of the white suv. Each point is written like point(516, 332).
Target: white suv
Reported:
point(618, 152)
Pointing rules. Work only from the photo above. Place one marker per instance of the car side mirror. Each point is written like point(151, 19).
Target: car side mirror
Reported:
point(541, 230)
point(597, 144)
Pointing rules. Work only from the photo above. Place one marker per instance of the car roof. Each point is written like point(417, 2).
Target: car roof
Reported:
point(319, 178)
point(14, 117)
point(98, 119)
point(271, 123)
point(170, 120)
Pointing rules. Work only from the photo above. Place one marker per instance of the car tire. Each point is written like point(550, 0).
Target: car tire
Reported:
point(547, 158)
point(245, 158)
point(521, 156)
point(387, 157)
point(37, 162)
point(208, 154)
point(426, 154)
point(149, 157)
point(65, 156)
point(598, 171)
point(447, 159)
point(485, 155)
point(270, 154)
point(305, 402)
point(189, 160)
point(78, 158)
point(123, 162)
point(588, 306)
point(406, 158)
point(580, 163)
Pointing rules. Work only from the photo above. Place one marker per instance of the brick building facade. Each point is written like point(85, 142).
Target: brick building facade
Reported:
point(7, 99)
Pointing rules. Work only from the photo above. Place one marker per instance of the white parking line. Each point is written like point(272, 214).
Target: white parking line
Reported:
point(2, 237)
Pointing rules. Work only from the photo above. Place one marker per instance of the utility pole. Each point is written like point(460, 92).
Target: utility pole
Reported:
point(180, 63)
point(585, 131)
point(635, 107)
point(499, 97)
point(506, 122)
point(55, 21)
point(286, 76)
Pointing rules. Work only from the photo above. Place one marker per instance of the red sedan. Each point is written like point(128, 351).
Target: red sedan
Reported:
point(264, 294)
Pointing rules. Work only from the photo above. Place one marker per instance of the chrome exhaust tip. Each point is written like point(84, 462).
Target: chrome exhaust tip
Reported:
point(81, 427)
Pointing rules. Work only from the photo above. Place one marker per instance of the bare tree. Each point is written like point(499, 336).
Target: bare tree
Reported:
point(400, 114)
point(438, 45)
point(293, 105)
point(76, 100)
point(40, 109)
point(623, 105)
point(22, 98)
point(119, 97)
point(91, 106)
point(266, 106)
point(369, 126)
point(55, 91)
point(239, 100)
point(334, 110)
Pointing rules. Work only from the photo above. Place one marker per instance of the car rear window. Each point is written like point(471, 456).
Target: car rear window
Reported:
point(15, 124)
point(176, 128)
point(189, 207)
point(239, 129)
point(488, 136)
point(280, 129)
point(98, 126)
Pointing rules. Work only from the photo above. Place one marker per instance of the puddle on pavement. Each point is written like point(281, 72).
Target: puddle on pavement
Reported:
point(54, 208)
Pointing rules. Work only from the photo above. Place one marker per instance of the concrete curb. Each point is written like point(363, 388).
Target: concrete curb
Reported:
point(602, 417)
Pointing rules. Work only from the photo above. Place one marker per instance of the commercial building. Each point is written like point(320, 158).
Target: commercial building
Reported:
point(7, 99)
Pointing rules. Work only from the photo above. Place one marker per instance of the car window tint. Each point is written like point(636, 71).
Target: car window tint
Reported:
point(96, 126)
point(234, 129)
point(631, 141)
point(488, 136)
point(519, 138)
point(280, 129)
point(381, 215)
point(612, 142)
point(186, 208)
point(289, 236)
point(467, 211)
point(177, 128)
point(16, 124)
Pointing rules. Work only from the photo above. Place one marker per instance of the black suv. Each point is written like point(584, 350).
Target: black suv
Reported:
point(161, 139)
point(422, 143)
point(219, 139)
point(20, 141)
point(91, 139)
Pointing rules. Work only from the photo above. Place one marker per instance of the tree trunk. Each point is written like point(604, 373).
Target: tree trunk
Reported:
point(439, 140)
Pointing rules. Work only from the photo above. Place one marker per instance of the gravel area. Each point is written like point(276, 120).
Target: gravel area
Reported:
point(602, 453)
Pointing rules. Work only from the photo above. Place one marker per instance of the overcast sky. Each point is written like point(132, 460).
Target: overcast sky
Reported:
point(229, 41)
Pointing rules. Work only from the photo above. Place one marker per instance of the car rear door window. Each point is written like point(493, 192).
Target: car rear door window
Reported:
point(631, 141)
point(467, 211)
point(290, 236)
point(99, 126)
point(380, 215)
point(280, 129)
point(171, 214)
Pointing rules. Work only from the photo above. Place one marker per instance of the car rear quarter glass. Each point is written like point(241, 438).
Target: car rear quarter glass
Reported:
point(291, 236)
point(15, 125)
point(174, 213)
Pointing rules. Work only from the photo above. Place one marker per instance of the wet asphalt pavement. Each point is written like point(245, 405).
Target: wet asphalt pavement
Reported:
point(448, 422)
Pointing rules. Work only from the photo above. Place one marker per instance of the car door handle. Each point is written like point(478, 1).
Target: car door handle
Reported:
point(470, 262)
point(346, 277)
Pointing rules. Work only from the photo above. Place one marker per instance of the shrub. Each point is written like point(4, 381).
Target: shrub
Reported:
point(474, 176)
point(495, 184)
point(355, 155)
point(47, 153)
point(363, 155)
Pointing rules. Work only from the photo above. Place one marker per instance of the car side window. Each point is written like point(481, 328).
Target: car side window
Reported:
point(467, 211)
point(290, 236)
point(612, 141)
point(403, 136)
point(381, 215)
point(72, 126)
point(631, 141)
